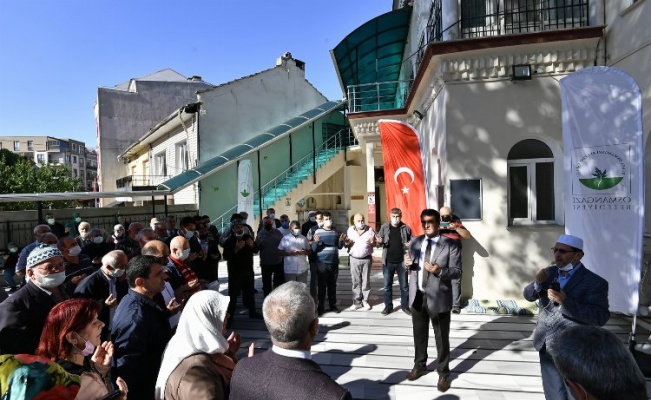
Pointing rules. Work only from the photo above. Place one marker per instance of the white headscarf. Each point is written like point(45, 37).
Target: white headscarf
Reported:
point(199, 331)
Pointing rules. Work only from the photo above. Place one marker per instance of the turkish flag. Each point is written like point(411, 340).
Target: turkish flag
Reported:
point(404, 176)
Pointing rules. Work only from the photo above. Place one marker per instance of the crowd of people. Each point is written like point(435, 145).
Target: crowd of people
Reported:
point(138, 313)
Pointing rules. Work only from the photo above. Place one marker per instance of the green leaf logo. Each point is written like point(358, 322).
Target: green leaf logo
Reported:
point(244, 193)
point(601, 180)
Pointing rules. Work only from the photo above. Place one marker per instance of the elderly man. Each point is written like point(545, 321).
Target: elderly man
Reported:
point(140, 328)
point(569, 294)
point(23, 314)
point(271, 261)
point(360, 240)
point(394, 237)
point(182, 278)
point(39, 230)
point(595, 364)
point(107, 285)
point(434, 261)
point(287, 370)
point(451, 227)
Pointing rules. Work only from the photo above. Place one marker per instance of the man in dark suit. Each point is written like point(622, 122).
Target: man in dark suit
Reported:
point(569, 295)
point(434, 261)
point(287, 370)
point(107, 285)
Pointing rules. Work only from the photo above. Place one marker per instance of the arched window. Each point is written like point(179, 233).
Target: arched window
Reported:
point(531, 183)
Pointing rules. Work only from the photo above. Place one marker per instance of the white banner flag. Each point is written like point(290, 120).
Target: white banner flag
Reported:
point(604, 185)
point(245, 188)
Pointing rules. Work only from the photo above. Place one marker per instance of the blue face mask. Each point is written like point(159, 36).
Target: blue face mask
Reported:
point(284, 224)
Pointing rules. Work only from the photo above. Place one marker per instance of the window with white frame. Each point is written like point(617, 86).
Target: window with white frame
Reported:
point(531, 195)
point(181, 157)
point(16, 145)
point(67, 158)
point(30, 145)
point(40, 158)
point(160, 168)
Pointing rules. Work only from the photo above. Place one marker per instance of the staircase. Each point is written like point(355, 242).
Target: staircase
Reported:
point(278, 188)
point(327, 159)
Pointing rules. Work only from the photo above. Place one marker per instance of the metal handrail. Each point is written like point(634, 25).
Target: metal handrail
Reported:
point(344, 137)
point(539, 15)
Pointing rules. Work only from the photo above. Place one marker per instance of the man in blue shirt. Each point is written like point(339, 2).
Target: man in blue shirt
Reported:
point(326, 243)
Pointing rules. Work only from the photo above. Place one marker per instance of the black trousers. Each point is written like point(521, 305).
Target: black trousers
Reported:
point(420, 319)
point(278, 272)
point(327, 282)
point(240, 279)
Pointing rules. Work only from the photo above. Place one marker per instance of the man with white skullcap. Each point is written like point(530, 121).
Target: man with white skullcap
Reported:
point(23, 314)
point(569, 294)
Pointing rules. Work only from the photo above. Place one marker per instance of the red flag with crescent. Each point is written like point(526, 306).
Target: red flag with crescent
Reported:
point(404, 176)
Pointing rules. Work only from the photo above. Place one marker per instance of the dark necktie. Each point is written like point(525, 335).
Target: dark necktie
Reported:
point(428, 255)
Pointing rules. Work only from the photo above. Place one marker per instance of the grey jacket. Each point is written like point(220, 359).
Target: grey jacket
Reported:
point(586, 304)
point(438, 290)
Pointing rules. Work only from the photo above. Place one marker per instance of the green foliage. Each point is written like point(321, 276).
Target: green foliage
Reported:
point(599, 174)
point(20, 175)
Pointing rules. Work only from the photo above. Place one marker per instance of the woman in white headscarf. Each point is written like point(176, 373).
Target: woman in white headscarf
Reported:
point(198, 361)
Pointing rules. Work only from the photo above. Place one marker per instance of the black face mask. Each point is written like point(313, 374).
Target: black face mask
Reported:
point(446, 218)
point(268, 227)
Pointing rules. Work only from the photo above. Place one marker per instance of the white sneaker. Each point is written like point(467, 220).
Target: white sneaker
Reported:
point(365, 305)
point(354, 307)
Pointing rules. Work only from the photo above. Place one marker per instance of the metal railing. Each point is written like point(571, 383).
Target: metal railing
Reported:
point(377, 96)
point(140, 180)
point(278, 186)
point(479, 18)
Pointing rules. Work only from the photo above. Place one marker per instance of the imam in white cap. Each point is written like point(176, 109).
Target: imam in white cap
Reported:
point(572, 241)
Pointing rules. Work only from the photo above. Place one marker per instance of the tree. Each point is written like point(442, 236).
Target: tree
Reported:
point(21, 175)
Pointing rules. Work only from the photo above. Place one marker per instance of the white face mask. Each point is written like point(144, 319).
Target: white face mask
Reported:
point(244, 221)
point(50, 281)
point(272, 215)
point(312, 219)
point(395, 221)
point(98, 239)
point(118, 234)
point(567, 267)
point(116, 273)
point(51, 221)
point(78, 219)
point(296, 232)
point(74, 251)
point(360, 225)
point(153, 227)
point(13, 249)
point(327, 224)
point(189, 234)
point(184, 254)
point(83, 235)
point(320, 224)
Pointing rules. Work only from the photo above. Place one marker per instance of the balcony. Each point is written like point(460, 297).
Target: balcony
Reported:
point(140, 182)
point(479, 19)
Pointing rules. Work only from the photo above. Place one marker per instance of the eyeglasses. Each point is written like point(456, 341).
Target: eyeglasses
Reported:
point(52, 267)
point(562, 251)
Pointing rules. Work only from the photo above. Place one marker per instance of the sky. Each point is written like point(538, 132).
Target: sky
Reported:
point(55, 54)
